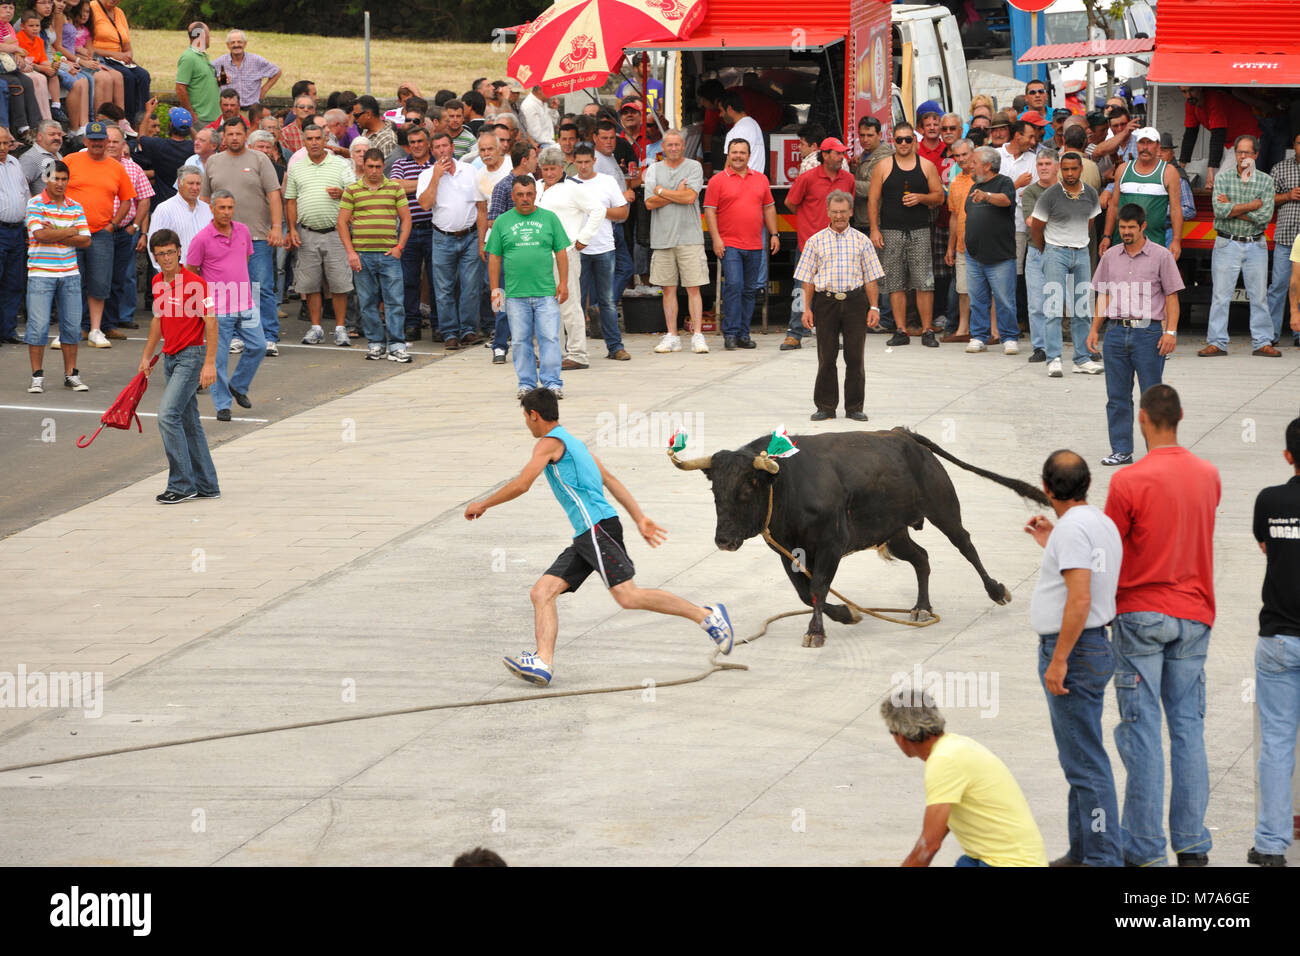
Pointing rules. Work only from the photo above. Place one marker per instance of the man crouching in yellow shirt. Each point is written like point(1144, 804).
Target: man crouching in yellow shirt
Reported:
point(968, 790)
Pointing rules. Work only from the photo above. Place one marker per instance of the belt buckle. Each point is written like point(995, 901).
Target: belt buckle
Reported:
point(841, 296)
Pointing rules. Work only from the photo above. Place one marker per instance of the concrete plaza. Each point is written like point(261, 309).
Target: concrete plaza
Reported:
point(336, 576)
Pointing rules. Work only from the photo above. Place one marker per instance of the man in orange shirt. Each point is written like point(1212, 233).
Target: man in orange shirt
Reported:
point(96, 180)
point(963, 153)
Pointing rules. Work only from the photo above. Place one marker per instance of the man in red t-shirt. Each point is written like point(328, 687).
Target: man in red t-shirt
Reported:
point(738, 203)
point(807, 200)
point(1225, 116)
point(1164, 509)
point(185, 319)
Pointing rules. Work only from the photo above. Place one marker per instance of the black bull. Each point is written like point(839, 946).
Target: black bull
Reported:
point(845, 492)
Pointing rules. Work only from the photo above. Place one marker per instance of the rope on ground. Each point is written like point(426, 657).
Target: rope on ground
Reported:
point(714, 666)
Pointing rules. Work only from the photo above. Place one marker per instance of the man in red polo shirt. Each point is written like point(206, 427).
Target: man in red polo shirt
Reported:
point(185, 319)
point(1164, 509)
point(737, 204)
point(807, 200)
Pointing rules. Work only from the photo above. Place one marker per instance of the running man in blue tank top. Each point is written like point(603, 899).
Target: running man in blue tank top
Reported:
point(578, 481)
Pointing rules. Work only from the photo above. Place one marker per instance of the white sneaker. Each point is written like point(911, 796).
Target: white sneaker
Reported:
point(670, 343)
point(698, 344)
point(400, 355)
point(55, 343)
point(75, 383)
point(315, 336)
point(1089, 368)
point(236, 346)
point(341, 336)
point(37, 386)
point(99, 340)
point(272, 349)
point(975, 345)
point(375, 352)
point(1010, 347)
point(1054, 368)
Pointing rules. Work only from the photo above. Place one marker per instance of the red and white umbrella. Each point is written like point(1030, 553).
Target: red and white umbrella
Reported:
point(576, 44)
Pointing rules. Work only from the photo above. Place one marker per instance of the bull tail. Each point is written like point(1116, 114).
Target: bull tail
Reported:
point(1023, 489)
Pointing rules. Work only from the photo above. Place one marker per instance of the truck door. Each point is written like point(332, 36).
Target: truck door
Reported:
point(954, 62)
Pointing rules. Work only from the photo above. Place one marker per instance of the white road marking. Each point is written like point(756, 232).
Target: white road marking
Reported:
point(91, 411)
point(298, 345)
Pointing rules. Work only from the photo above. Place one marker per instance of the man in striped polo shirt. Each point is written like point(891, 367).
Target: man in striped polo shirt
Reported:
point(417, 254)
point(56, 229)
point(369, 213)
point(312, 189)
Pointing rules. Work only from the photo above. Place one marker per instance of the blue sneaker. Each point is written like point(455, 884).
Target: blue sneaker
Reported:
point(528, 666)
point(718, 626)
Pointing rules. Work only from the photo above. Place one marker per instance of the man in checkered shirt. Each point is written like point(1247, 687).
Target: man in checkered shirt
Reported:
point(838, 269)
point(1286, 202)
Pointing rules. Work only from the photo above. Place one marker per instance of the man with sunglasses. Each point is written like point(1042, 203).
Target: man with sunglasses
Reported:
point(904, 188)
point(1036, 101)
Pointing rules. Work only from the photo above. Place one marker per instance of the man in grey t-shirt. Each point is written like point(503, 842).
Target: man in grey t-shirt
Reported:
point(1072, 604)
point(1058, 228)
point(672, 186)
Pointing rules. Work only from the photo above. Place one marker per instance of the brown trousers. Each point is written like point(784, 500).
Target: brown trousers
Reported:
point(833, 318)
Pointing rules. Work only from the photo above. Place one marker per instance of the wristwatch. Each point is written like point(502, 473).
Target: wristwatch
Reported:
point(1167, 332)
point(874, 308)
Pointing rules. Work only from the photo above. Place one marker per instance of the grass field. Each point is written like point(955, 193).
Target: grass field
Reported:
point(336, 63)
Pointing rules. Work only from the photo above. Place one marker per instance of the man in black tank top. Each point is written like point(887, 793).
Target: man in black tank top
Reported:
point(904, 188)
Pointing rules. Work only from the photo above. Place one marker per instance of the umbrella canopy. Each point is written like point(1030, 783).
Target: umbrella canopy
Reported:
point(575, 44)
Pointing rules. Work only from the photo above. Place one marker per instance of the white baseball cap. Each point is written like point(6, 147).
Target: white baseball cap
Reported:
point(1147, 132)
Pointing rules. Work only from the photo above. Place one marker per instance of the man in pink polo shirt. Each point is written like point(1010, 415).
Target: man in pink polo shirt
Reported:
point(1164, 510)
point(737, 204)
point(807, 200)
point(219, 254)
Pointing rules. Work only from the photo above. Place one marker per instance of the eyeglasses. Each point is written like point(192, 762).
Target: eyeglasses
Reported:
point(904, 139)
point(950, 129)
point(165, 253)
point(1036, 92)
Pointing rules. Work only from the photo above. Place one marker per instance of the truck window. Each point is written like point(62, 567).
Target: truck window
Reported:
point(934, 90)
point(1071, 27)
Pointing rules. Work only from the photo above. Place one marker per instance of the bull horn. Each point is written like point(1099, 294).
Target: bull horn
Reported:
point(765, 463)
point(690, 464)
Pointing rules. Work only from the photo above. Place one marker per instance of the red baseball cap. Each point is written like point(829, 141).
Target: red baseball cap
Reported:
point(833, 144)
point(1033, 117)
point(632, 105)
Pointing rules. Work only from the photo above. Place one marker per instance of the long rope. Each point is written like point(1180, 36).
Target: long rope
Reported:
point(879, 612)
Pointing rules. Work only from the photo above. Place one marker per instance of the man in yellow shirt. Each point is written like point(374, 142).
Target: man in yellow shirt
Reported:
point(968, 790)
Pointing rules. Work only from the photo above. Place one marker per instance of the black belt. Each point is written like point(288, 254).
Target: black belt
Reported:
point(1245, 238)
point(320, 231)
point(427, 224)
point(1134, 323)
point(464, 232)
point(13, 225)
point(842, 295)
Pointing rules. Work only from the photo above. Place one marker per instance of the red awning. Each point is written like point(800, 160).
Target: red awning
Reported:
point(1224, 69)
point(1090, 50)
point(759, 40)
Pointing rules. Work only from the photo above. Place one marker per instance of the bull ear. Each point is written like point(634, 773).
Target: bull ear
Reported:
point(690, 464)
point(763, 462)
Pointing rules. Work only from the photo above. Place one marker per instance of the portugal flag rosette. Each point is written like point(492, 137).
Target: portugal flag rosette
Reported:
point(781, 445)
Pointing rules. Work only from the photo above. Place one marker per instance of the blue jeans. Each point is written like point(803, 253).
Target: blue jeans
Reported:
point(1277, 694)
point(598, 288)
point(624, 267)
point(135, 86)
point(381, 275)
point(1034, 280)
point(417, 255)
point(189, 463)
point(740, 284)
point(1092, 809)
point(1067, 273)
point(13, 276)
point(965, 860)
point(457, 257)
point(247, 327)
point(992, 284)
point(1128, 351)
point(42, 293)
point(261, 273)
point(1278, 288)
point(1161, 662)
point(1250, 261)
point(121, 309)
point(538, 316)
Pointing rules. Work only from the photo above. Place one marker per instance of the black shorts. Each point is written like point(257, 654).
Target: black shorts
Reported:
point(600, 550)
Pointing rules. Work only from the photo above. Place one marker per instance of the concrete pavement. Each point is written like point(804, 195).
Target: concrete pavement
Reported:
point(336, 576)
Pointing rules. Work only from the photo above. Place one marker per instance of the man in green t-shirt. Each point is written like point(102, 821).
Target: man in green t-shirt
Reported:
point(196, 84)
point(531, 242)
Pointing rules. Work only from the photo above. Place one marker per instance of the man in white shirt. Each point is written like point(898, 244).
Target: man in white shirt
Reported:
point(185, 213)
point(744, 126)
point(535, 120)
point(597, 281)
point(450, 189)
point(581, 213)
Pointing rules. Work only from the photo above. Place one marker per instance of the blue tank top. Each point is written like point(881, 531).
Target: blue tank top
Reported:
point(577, 484)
